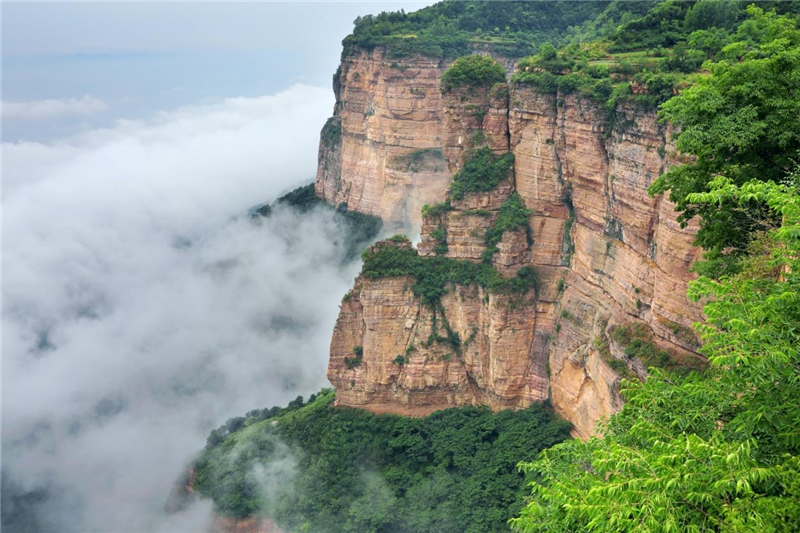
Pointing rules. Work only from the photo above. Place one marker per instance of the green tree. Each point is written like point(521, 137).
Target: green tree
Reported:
point(473, 71)
point(717, 452)
point(741, 122)
point(712, 14)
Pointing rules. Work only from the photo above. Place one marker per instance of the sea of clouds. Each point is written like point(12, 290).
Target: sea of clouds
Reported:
point(142, 308)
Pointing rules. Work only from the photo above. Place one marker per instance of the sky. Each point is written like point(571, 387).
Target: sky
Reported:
point(141, 308)
point(74, 66)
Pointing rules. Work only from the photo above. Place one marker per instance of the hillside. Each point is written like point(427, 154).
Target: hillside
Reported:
point(606, 198)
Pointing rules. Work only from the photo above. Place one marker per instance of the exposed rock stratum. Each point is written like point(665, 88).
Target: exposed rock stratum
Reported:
point(606, 252)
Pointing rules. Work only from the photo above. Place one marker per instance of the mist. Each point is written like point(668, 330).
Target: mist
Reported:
point(142, 307)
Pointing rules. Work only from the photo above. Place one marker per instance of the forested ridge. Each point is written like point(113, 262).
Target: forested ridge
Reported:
point(717, 450)
point(315, 467)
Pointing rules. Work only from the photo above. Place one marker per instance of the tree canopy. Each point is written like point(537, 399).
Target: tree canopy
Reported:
point(335, 469)
point(712, 452)
point(741, 121)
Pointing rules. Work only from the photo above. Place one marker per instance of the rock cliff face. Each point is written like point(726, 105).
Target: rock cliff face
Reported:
point(383, 153)
point(606, 252)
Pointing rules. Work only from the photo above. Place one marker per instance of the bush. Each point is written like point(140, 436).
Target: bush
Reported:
point(472, 71)
point(637, 341)
point(436, 210)
point(400, 360)
point(512, 215)
point(331, 133)
point(353, 362)
point(434, 275)
point(482, 172)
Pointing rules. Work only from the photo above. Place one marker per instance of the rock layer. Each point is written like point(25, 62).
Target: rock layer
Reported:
point(387, 160)
point(606, 252)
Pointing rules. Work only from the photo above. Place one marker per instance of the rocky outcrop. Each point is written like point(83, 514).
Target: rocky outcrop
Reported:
point(385, 155)
point(606, 252)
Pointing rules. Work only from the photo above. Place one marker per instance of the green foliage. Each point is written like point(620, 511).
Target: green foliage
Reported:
point(353, 362)
point(439, 236)
point(740, 122)
point(436, 210)
point(660, 87)
point(332, 133)
point(471, 72)
point(718, 451)
point(476, 212)
point(512, 215)
point(400, 239)
point(662, 26)
point(637, 341)
point(617, 365)
point(359, 228)
point(400, 360)
point(351, 470)
point(482, 172)
point(452, 29)
point(435, 275)
point(712, 14)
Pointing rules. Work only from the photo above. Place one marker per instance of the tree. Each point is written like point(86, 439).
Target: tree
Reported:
point(712, 452)
point(741, 122)
point(473, 71)
point(712, 14)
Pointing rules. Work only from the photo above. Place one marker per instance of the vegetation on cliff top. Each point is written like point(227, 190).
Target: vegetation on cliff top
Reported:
point(324, 469)
point(742, 121)
point(471, 72)
point(453, 28)
point(359, 228)
point(434, 276)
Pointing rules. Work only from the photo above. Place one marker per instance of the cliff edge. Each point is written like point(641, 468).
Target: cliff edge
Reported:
point(606, 254)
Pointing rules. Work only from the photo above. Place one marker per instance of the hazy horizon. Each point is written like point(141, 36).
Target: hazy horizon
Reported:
point(141, 307)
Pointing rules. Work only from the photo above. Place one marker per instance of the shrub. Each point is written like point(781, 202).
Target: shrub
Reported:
point(331, 133)
point(512, 215)
point(472, 71)
point(637, 341)
point(482, 172)
point(439, 235)
point(400, 360)
point(353, 362)
point(436, 210)
point(434, 275)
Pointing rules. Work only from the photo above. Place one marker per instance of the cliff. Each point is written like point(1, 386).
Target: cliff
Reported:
point(380, 153)
point(606, 253)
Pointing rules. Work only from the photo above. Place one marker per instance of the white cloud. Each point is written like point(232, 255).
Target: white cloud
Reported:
point(53, 108)
point(140, 310)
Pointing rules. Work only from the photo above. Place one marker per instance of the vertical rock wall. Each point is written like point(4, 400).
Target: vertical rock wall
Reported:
point(606, 252)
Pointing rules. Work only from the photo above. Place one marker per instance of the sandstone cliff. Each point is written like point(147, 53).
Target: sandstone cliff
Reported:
point(606, 252)
point(382, 154)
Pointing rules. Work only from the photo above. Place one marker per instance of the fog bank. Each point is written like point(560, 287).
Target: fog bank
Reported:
point(141, 308)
